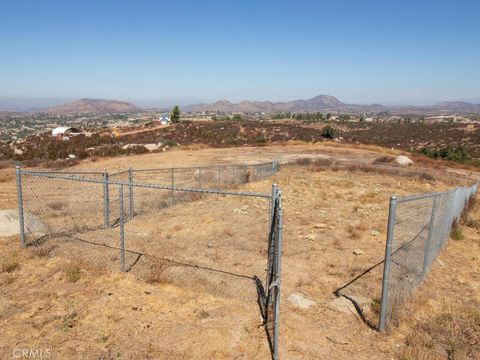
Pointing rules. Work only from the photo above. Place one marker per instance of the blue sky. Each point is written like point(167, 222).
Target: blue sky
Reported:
point(188, 51)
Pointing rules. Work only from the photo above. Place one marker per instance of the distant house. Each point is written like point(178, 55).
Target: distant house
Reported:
point(65, 133)
point(163, 120)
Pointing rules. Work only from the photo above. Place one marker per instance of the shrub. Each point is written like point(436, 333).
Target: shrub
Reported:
point(260, 139)
point(169, 143)
point(304, 161)
point(329, 132)
point(456, 233)
point(8, 265)
point(73, 273)
point(457, 154)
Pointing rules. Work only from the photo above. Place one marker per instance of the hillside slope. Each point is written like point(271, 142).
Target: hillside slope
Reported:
point(84, 106)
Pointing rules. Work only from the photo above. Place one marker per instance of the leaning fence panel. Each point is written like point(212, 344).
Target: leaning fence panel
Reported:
point(419, 227)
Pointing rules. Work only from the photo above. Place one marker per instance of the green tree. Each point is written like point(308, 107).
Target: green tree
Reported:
point(237, 117)
point(175, 114)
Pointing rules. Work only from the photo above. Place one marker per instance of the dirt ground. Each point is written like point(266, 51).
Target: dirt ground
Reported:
point(77, 306)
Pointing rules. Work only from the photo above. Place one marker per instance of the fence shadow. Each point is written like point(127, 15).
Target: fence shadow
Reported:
point(338, 291)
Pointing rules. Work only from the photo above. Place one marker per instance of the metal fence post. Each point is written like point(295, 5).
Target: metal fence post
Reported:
point(387, 262)
point(426, 256)
point(271, 244)
point(278, 271)
point(130, 193)
point(122, 230)
point(233, 175)
point(21, 219)
point(219, 177)
point(199, 177)
point(173, 185)
point(106, 201)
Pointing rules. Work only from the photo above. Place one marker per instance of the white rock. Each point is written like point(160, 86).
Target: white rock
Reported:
point(72, 156)
point(153, 147)
point(358, 252)
point(320, 226)
point(299, 301)
point(9, 224)
point(311, 237)
point(403, 160)
point(374, 233)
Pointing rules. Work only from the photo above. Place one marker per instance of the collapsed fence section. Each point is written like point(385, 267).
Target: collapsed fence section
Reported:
point(209, 240)
point(418, 228)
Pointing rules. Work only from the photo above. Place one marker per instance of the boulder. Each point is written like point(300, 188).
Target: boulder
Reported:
point(403, 160)
point(301, 302)
point(9, 225)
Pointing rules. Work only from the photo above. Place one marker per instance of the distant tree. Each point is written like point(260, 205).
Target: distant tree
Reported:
point(237, 117)
point(329, 116)
point(362, 118)
point(175, 114)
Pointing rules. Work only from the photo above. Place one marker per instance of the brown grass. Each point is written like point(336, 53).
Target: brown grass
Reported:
point(8, 265)
point(356, 231)
point(452, 334)
point(156, 272)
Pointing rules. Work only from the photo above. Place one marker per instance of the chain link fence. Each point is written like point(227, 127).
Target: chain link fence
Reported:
point(207, 240)
point(418, 228)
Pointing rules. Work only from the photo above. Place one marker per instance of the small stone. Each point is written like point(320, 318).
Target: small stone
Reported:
point(299, 301)
point(320, 226)
point(374, 233)
point(357, 252)
point(311, 237)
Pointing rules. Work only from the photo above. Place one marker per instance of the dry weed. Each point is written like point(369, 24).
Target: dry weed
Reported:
point(72, 272)
point(8, 265)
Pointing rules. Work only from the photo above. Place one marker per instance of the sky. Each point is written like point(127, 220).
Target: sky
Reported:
point(162, 52)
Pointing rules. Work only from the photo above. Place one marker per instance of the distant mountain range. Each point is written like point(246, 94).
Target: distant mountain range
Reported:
point(84, 106)
point(329, 103)
point(323, 103)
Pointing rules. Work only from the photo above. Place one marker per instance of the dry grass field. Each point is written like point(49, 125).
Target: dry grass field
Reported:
point(70, 298)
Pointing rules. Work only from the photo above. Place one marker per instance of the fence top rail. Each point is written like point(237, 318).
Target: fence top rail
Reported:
point(65, 176)
point(66, 172)
point(432, 194)
point(99, 172)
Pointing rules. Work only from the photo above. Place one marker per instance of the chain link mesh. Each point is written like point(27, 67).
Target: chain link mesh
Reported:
point(203, 239)
point(421, 227)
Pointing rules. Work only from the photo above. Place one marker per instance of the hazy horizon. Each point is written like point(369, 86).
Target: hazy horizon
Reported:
point(22, 104)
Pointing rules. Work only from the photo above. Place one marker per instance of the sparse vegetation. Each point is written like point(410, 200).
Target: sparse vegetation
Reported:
point(457, 154)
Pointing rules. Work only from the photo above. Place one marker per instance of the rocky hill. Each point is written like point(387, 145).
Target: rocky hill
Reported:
point(317, 103)
point(326, 103)
point(84, 106)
